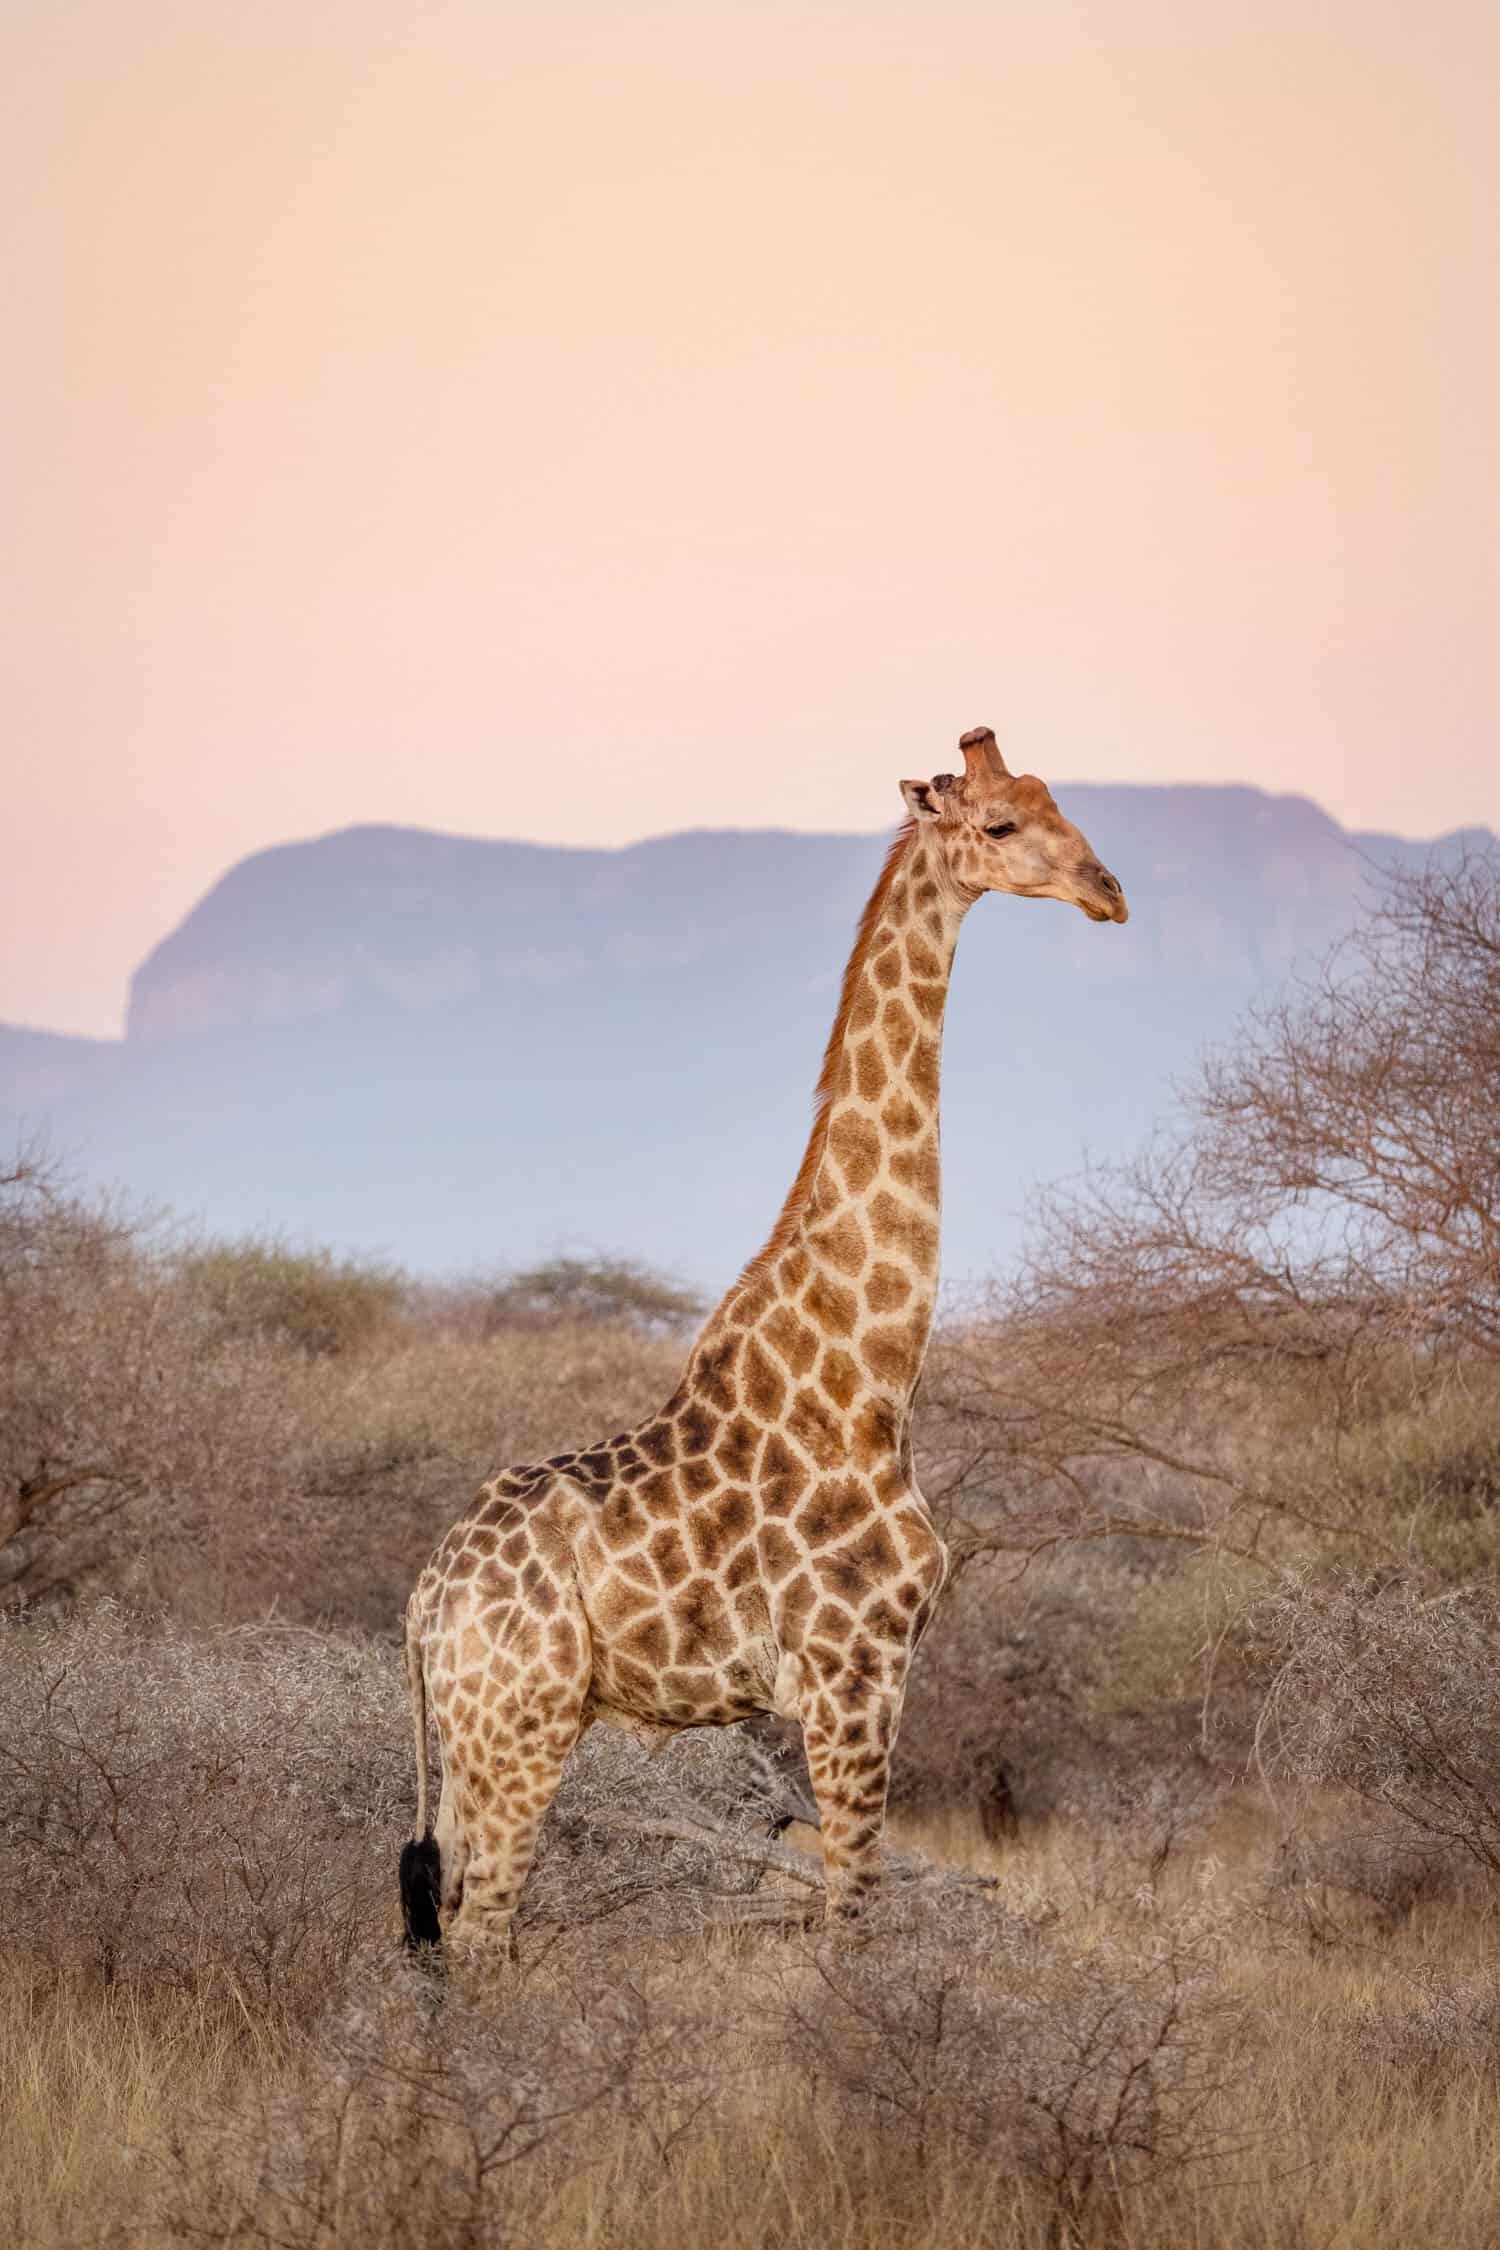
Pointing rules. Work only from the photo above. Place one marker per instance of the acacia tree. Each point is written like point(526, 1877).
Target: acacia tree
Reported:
point(1323, 1239)
point(590, 1290)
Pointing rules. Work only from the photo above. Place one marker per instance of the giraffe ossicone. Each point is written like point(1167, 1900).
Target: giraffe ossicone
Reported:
point(760, 1544)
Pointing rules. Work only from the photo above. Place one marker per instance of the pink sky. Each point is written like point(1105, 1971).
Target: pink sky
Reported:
point(575, 422)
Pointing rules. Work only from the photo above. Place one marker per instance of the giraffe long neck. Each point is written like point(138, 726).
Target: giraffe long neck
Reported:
point(842, 1296)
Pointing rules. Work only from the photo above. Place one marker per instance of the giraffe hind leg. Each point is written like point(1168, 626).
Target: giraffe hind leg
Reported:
point(452, 1845)
point(503, 1757)
point(503, 1806)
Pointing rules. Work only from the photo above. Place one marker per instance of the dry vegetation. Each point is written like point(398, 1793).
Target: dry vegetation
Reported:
point(1189, 1936)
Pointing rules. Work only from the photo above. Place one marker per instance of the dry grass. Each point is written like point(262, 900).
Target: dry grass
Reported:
point(1368, 2115)
point(92, 2080)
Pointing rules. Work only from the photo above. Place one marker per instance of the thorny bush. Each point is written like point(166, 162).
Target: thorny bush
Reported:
point(219, 1814)
point(1393, 1696)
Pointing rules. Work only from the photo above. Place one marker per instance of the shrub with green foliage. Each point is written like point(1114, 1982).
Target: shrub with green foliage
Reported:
point(307, 1298)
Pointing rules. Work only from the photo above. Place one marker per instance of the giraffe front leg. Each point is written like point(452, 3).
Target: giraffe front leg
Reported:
point(849, 1727)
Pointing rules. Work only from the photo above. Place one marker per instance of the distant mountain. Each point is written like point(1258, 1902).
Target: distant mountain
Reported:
point(39, 1069)
point(466, 1053)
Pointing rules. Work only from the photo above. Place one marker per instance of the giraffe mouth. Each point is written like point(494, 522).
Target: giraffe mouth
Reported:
point(1103, 900)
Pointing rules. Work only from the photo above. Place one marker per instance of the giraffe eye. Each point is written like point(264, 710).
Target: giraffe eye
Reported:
point(1001, 828)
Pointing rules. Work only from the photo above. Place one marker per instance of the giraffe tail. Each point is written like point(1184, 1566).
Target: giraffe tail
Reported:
point(421, 1872)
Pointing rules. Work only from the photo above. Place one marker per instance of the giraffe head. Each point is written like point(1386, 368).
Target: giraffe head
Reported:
point(1000, 831)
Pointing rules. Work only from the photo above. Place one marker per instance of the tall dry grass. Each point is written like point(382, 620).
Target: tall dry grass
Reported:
point(685, 2096)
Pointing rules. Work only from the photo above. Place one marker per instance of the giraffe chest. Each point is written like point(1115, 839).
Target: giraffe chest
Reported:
point(691, 1612)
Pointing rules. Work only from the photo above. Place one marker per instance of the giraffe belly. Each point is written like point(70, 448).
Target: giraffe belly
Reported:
point(675, 1668)
point(678, 1609)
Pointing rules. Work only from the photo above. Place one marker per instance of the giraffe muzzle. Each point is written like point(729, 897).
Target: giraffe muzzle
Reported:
point(1101, 897)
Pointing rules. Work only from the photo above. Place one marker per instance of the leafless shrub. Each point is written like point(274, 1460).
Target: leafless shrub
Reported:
point(1436, 2027)
point(230, 1430)
point(1323, 1245)
point(415, 2113)
point(958, 2024)
point(1072, 1692)
point(955, 2036)
point(229, 1807)
point(685, 1844)
point(1394, 1696)
point(112, 1401)
point(219, 1811)
point(986, 1688)
point(1357, 1883)
point(217, 1815)
point(654, 1845)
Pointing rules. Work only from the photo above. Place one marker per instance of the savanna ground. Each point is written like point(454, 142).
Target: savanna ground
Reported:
point(1189, 1936)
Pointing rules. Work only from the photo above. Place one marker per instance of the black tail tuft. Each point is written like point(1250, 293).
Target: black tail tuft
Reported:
point(421, 1888)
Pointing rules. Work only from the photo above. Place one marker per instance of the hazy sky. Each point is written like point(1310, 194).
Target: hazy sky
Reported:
point(576, 421)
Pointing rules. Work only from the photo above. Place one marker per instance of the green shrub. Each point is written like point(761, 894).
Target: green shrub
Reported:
point(1445, 1463)
point(1174, 1635)
point(1425, 1487)
point(307, 1298)
point(1410, 1489)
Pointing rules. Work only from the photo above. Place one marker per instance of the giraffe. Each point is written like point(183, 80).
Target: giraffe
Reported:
point(760, 1544)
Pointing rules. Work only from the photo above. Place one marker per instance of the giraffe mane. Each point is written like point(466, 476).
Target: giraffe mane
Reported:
point(801, 1187)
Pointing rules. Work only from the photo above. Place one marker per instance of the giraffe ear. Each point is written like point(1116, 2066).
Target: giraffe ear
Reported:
point(921, 803)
